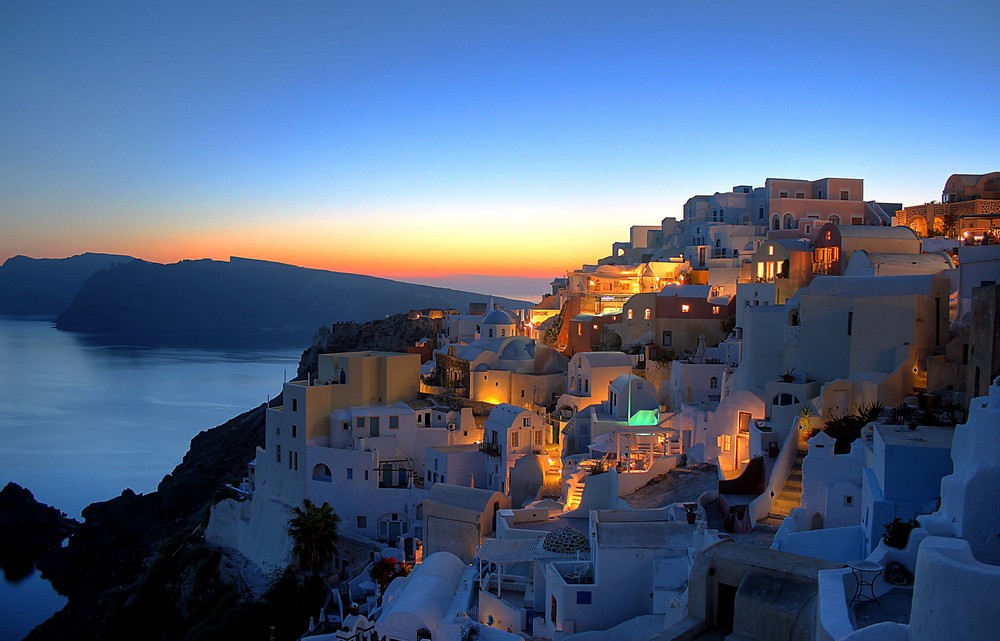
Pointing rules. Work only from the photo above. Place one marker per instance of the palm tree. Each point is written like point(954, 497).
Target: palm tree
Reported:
point(314, 530)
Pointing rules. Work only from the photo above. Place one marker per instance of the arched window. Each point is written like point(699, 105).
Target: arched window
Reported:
point(718, 242)
point(835, 219)
point(789, 221)
point(647, 314)
point(631, 313)
point(491, 332)
point(714, 382)
point(503, 331)
point(322, 473)
point(784, 400)
point(776, 223)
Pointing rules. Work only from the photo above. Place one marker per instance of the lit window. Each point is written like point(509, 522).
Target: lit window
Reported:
point(647, 314)
point(727, 443)
point(685, 308)
point(630, 314)
point(715, 309)
point(579, 330)
point(595, 326)
point(770, 250)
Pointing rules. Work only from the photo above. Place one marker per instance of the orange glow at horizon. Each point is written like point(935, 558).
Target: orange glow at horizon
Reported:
point(418, 244)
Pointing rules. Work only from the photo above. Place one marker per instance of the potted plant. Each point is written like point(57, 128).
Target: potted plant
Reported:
point(787, 376)
point(691, 510)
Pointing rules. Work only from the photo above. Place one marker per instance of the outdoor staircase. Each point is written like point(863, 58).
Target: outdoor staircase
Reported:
point(791, 494)
point(574, 492)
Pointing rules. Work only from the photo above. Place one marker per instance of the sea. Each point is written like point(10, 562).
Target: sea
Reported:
point(82, 418)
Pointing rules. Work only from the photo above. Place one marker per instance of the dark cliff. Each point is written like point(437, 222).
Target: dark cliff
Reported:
point(239, 300)
point(43, 287)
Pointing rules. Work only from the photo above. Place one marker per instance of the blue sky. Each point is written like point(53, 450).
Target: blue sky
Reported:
point(439, 141)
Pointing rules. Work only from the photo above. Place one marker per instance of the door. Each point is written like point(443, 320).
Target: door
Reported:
point(839, 403)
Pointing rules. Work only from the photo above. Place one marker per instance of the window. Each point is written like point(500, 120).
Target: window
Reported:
point(538, 437)
point(685, 308)
point(277, 431)
point(361, 422)
point(782, 194)
point(727, 443)
point(850, 322)
point(647, 314)
point(522, 393)
point(322, 473)
point(714, 382)
point(295, 431)
point(819, 194)
point(845, 194)
point(716, 309)
point(350, 473)
point(277, 453)
point(515, 440)
point(583, 597)
point(373, 425)
point(393, 422)
point(784, 400)
point(295, 404)
point(366, 475)
point(848, 500)
point(789, 221)
point(526, 421)
point(770, 250)
point(630, 314)
point(667, 339)
point(856, 220)
point(800, 194)
point(579, 329)
point(362, 522)
point(760, 213)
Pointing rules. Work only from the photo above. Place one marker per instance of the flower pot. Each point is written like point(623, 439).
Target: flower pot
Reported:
point(692, 517)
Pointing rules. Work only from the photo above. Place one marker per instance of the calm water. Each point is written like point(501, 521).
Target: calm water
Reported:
point(80, 421)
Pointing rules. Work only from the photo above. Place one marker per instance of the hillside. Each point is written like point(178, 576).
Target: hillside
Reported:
point(43, 287)
point(206, 301)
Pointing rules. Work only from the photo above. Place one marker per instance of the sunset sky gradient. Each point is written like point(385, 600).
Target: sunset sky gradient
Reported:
point(433, 142)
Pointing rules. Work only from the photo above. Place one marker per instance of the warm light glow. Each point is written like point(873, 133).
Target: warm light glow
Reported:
point(685, 308)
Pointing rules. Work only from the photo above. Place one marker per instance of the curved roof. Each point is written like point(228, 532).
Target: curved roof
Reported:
point(505, 413)
point(920, 262)
point(518, 348)
point(498, 317)
point(900, 232)
point(605, 359)
point(686, 291)
point(864, 286)
point(468, 498)
point(427, 593)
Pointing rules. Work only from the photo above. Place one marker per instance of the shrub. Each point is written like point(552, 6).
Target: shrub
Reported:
point(897, 532)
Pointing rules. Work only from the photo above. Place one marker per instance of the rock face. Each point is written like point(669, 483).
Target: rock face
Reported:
point(392, 334)
point(137, 567)
point(28, 529)
point(43, 287)
point(205, 301)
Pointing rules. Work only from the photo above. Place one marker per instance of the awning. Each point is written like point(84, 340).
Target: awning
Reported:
point(507, 551)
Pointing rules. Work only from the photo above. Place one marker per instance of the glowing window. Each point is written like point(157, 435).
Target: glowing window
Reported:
point(770, 250)
point(595, 326)
point(647, 314)
point(715, 309)
point(685, 308)
point(630, 314)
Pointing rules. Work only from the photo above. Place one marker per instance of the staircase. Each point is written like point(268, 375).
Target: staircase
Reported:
point(574, 491)
point(791, 494)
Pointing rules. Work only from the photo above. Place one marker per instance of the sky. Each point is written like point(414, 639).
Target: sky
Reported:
point(478, 145)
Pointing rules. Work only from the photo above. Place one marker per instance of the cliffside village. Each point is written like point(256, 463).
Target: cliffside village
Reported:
point(825, 365)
